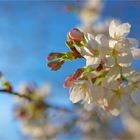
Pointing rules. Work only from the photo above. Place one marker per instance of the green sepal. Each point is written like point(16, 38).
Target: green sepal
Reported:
point(98, 80)
point(69, 44)
point(79, 44)
point(88, 69)
point(70, 56)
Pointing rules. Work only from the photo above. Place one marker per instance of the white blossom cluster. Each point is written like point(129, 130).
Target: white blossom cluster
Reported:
point(108, 79)
point(33, 114)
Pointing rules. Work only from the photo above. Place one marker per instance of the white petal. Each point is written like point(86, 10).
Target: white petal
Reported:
point(134, 76)
point(132, 42)
point(110, 80)
point(112, 43)
point(115, 112)
point(98, 93)
point(109, 61)
point(88, 49)
point(136, 96)
point(91, 43)
point(76, 95)
point(123, 30)
point(125, 59)
point(102, 39)
point(83, 51)
point(135, 53)
point(112, 28)
point(88, 98)
point(127, 71)
point(92, 61)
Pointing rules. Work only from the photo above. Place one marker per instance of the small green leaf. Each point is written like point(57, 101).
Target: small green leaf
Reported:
point(70, 56)
point(88, 69)
point(98, 80)
point(79, 44)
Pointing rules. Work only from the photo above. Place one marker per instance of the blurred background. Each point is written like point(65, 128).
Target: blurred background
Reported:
point(29, 31)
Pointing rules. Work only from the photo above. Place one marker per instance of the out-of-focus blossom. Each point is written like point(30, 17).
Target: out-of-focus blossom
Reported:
point(90, 16)
point(34, 114)
point(131, 120)
point(90, 11)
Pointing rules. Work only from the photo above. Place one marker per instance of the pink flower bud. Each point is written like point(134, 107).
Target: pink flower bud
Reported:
point(78, 73)
point(55, 65)
point(50, 56)
point(75, 35)
point(69, 81)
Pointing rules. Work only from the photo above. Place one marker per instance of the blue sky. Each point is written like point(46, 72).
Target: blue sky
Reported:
point(29, 31)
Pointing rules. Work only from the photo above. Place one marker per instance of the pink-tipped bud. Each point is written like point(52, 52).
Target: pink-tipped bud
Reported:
point(55, 65)
point(50, 56)
point(78, 73)
point(75, 35)
point(69, 81)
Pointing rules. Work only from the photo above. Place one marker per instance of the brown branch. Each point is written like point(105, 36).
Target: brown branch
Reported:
point(15, 94)
point(30, 99)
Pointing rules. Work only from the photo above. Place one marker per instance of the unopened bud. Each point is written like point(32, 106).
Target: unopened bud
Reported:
point(75, 35)
point(55, 65)
point(69, 81)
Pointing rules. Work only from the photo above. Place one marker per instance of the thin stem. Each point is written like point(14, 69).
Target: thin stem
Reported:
point(30, 99)
point(15, 94)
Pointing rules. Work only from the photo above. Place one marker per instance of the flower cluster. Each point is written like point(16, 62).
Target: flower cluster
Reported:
point(87, 10)
point(40, 119)
point(107, 79)
point(33, 113)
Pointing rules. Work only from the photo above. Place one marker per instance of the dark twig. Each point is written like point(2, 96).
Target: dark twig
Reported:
point(15, 94)
point(30, 99)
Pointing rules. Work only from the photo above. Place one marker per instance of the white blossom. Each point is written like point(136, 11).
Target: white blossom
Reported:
point(119, 31)
point(81, 90)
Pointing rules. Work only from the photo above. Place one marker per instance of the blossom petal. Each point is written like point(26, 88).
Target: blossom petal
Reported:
point(76, 95)
point(112, 28)
point(112, 43)
point(132, 42)
point(102, 39)
point(125, 59)
point(123, 30)
point(136, 96)
point(135, 53)
point(92, 61)
point(115, 112)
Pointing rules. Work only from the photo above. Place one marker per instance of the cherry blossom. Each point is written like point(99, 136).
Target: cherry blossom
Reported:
point(107, 79)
